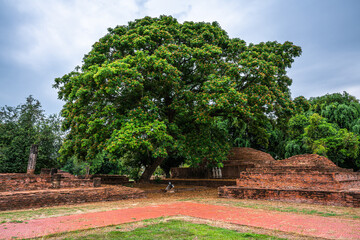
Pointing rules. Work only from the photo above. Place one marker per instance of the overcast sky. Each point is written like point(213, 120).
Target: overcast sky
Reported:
point(41, 39)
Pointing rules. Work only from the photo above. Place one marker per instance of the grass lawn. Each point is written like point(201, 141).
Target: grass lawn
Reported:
point(171, 229)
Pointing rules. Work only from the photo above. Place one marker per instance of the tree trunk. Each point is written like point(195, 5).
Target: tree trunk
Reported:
point(32, 159)
point(149, 170)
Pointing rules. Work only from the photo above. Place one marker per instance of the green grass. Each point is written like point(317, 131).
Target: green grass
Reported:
point(188, 199)
point(175, 229)
point(16, 221)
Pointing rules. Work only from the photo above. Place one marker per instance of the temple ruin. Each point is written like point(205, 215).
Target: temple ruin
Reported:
point(238, 161)
point(308, 178)
point(55, 187)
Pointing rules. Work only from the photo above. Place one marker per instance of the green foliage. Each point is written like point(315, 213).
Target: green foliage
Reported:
point(301, 104)
point(314, 134)
point(75, 167)
point(329, 127)
point(160, 88)
point(22, 126)
point(340, 109)
point(297, 125)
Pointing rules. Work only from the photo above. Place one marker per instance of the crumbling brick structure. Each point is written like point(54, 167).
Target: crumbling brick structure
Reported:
point(304, 178)
point(239, 159)
point(54, 197)
point(48, 179)
point(56, 187)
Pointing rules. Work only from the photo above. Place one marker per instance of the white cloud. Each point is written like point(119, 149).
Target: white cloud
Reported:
point(235, 17)
point(65, 30)
point(326, 72)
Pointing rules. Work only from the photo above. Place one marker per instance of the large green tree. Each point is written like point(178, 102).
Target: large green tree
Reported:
point(159, 87)
point(22, 126)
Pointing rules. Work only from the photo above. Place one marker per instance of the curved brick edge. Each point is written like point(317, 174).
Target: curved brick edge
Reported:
point(315, 226)
point(337, 198)
point(45, 198)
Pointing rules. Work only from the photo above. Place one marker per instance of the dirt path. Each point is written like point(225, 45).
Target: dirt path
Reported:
point(316, 226)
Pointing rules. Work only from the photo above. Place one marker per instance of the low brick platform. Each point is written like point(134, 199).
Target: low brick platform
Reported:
point(197, 182)
point(112, 179)
point(336, 198)
point(53, 197)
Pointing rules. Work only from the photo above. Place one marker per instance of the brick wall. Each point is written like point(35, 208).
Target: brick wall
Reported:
point(337, 198)
point(53, 197)
point(294, 180)
point(22, 181)
point(25, 182)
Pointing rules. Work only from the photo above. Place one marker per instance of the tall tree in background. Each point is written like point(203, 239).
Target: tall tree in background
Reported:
point(164, 89)
point(22, 126)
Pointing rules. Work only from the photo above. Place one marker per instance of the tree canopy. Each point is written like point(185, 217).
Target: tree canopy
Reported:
point(162, 89)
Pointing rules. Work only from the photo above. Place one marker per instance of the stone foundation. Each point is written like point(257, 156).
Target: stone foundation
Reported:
point(53, 197)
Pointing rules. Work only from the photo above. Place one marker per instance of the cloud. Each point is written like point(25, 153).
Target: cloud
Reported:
point(66, 30)
point(237, 17)
point(319, 74)
point(63, 31)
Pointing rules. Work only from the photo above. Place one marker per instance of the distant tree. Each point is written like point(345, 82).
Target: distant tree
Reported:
point(22, 126)
point(313, 134)
point(302, 104)
point(159, 88)
point(341, 109)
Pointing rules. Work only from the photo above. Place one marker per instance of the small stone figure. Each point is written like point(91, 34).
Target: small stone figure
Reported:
point(170, 188)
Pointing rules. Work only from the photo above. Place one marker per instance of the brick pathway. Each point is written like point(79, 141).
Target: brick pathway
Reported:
point(316, 226)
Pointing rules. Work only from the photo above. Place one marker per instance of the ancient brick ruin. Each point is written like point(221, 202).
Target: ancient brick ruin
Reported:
point(56, 187)
point(10, 182)
point(239, 160)
point(304, 178)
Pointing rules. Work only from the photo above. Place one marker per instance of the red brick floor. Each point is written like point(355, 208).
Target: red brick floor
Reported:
point(316, 226)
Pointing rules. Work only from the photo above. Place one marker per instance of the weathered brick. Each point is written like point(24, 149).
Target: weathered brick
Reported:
point(304, 178)
point(53, 197)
